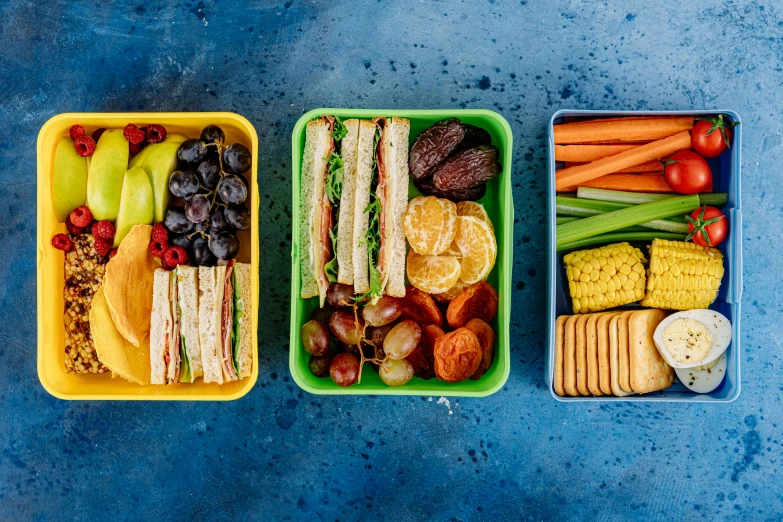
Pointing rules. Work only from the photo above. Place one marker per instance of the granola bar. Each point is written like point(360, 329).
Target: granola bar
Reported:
point(84, 269)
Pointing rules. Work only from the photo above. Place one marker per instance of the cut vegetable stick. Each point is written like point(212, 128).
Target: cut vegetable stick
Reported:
point(623, 129)
point(647, 166)
point(588, 153)
point(648, 182)
point(575, 176)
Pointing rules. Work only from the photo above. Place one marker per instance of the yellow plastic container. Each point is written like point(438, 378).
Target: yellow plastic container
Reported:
point(51, 334)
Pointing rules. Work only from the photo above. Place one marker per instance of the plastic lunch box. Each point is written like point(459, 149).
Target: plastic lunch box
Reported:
point(726, 178)
point(499, 205)
point(51, 338)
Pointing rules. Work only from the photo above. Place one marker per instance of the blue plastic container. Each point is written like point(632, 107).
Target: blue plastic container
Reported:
point(726, 178)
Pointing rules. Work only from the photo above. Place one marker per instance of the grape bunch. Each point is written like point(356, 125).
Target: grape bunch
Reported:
point(343, 335)
point(211, 183)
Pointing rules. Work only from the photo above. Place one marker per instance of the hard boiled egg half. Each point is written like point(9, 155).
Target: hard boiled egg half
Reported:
point(693, 338)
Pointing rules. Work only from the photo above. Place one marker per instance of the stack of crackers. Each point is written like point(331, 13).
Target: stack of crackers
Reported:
point(609, 353)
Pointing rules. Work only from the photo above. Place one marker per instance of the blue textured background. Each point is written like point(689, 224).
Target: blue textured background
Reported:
point(282, 454)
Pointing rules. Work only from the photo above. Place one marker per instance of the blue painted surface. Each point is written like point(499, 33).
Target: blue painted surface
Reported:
point(280, 453)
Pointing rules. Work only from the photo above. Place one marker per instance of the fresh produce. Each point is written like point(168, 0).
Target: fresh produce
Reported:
point(136, 203)
point(622, 129)
point(588, 153)
point(631, 234)
point(84, 146)
point(315, 337)
point(402, 339)
point(648, 167)
point(605, 277)
point(394, 372)
point(476, 242)
point(432, 274)
point(477, 210)
point(712, 135)
point(319, 365)
point(345, 369)
point(707, 226)
point(385, 310)
point(589, 207)
point(682, 276)
point(69, 179)
point(647, 182)
point(430, 224)
point(712, 198)
point(610, 221)
point(575, 176)
point(687, 173)
point(106, 175)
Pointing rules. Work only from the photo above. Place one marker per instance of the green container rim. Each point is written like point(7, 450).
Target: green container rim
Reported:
point(505, 253)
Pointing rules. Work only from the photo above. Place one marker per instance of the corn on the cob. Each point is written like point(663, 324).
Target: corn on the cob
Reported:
point(682, 276)
point(605, 277)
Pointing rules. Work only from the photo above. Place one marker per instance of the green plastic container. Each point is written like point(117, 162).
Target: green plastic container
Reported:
point(498, 203)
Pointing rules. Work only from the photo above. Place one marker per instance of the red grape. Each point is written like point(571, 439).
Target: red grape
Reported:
point(344, 369)
point(344, 327)
point(319, 365)
point(339, 295)
point(315, 337)
point(395, 373)
point(386, 310)
point(402, 339)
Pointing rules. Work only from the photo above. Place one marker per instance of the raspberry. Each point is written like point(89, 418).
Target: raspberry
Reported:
point(62, 242)
point(158, 248)
point(155, 133)
point(73, 229)
point(97, 133)
point(134, 148)
point(133, 134)
point(175, 256)
point(112, 253)
point(102, 246)
point(84, 146)
point(76, 131)
point(81, 217)
point(103, 229)
point(159, 233)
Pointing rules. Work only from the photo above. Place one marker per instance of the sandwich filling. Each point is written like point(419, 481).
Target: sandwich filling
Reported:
point(239, 307)
point(333, 192)
point(184, 373)
point(227, 324)
point(374, 238)
point(172, 346)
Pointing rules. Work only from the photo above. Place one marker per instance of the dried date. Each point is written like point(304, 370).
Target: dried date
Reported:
point(474, 137)
point(457, 355)
point(427, 188)
point(468, 168)
point(433, 146)
point(486, 337)
point(478, 300)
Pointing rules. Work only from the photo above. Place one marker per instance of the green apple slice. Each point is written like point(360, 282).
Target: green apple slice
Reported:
point(106, 174)
point(136, 203)
point(69, 180)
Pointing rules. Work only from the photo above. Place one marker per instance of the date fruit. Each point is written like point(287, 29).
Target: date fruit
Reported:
point(402, 339)
point(457, 355)
point(467, 169)
point(478, 300)
point(486, 337)
point(420, 307)
point(433, 146)
point(474, 137)
point(428, 188)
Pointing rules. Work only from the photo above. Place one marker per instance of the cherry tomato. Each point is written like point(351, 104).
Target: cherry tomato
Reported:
point(687, 173)
point(708, 226)
point(711, 136)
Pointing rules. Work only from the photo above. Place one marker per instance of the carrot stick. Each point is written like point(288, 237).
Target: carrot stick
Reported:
point(587, 153)
point(643, 182)
point(622, 129)
point(575, 176)
point(647, 166)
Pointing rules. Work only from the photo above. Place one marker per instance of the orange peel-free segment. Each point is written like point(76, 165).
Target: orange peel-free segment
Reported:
point(471, 208)
point(429, 224)
point(479, 249)
point(432, 274)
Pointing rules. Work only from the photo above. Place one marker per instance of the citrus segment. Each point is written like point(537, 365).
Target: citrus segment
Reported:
point(429, 224)
point(432, 274)
point(471, 208)
point(477, 243)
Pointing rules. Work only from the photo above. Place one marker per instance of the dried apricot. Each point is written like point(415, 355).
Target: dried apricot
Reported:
point(422, 358)
point(457, 355)
point(420, 307)
point(476, 241)
point(479, 300)
point(432, 332)
point(432, 274)
point(486, 337)
point(430, 224)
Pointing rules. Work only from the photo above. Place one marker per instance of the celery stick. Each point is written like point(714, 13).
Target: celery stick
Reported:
point(626, 217)
point(590, 207)
point(619, 236)
point(559, 220)
point(568, 219)
point(716, 199)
